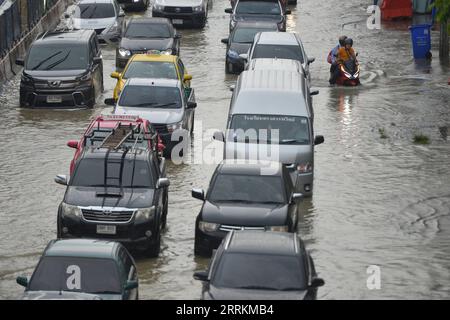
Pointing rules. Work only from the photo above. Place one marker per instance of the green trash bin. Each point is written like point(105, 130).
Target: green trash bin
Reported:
point(422, 6)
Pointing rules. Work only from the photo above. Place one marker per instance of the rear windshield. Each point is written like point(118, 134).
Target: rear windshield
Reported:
point(88, 275)
point(150, 69)
point(151, 97)
point(62, 56)
point(96, 10)
point(247, 188)
point(277, 51)
point(151, 30)
point(258, 7)
point(112, 173)
point(246, 35)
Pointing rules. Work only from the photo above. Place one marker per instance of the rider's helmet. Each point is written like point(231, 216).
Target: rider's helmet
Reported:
point(342, 40)
point(349, 41)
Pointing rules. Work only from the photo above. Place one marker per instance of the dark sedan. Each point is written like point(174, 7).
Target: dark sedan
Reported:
point(236, 271)
point(144, 35)
point(240, 41)
point(245, 196)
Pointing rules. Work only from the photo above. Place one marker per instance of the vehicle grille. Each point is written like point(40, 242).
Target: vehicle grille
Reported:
point(138, 51)
point(178, 9)
point(114, 216)
point(231, 228)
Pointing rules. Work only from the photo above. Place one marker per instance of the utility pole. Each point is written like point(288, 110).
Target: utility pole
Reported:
point(443, 41)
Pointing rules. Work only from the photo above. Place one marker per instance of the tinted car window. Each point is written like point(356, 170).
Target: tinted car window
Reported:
point(257, 7)
point(258, 188)
point(246, 35)
point(58, 57)
point(89, 275)
point(245, 271)
point(277, 51)
point(280, 129)
point(151, 30)
point(96, 10)
point(146, 69)
point(91, 173)
point(150, 97)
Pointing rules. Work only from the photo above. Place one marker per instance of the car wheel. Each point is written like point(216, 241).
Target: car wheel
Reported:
point(228, 68)
point(155, 248)
point(199, 252)
point(93, 98)
point(165, 211)
point(192, 125)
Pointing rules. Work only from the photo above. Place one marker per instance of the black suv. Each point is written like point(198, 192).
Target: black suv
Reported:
point(260, 265)
point(116, 193)
point(245, 196)
point(62, 70)
point(145, 35)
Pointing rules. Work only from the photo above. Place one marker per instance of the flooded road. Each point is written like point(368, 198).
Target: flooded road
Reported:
point(378, 200)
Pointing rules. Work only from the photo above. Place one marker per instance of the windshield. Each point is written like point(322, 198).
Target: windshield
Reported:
point(258, 7)
point(246, 188)
point(57, 57)
point(150, 97)
point(253, 271)
point(96, 10)
point(88, 275)
point(269, 128)
point(277, 51)
point(149, 69)
point(101, 173)
point(246, 35)
point(151, 30)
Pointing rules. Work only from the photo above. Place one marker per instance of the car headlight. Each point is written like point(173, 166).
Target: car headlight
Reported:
point(232, 23)
point(25, 79)
point(208, 226)
point(68, 210)
point(158, 7)
point(146, 214)
point(174, 126)
point(278, 228)
point(197, 9)
point(304, 167)
point(233, 54)
point(167, 52)
point(124, 52)
point(114, 28)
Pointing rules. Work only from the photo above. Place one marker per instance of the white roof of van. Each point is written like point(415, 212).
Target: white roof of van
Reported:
point(276, 64)
point(279, 38)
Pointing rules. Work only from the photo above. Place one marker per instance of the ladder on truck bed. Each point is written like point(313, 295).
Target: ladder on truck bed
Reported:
point(119, 135)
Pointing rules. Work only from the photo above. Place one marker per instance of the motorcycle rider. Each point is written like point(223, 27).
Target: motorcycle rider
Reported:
point(347, 53)
point(332, 58)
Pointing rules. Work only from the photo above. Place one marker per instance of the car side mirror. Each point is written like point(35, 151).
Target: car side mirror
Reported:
point(314, 92)
point(229, 10)
point(187, 77)
point(191, 105)
point(224, 40)
point(61, 179)
point(317, 282)
point(121, 14)
point(219, 136)
point(162, 183)
point(296, 196)
point(198, 194)
point(97, 60)
point(288, 11)
point(110, 102)
point(244, 56)
point(23, 281)
point(72, 144)
point(115, 75)
point(66, 15)
point(201, 275)
point(319, 140)
point(311, 60)
point(131, 284)
point(20, 62)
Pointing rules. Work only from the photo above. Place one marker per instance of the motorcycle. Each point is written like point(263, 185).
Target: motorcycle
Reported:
point(348, 74)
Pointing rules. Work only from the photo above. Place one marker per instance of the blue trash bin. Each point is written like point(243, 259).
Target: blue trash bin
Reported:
point(421, 40)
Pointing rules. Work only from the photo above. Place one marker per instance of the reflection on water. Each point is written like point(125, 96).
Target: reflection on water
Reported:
point(377, 201)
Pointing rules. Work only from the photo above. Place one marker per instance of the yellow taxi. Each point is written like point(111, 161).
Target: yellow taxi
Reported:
point(151, 66)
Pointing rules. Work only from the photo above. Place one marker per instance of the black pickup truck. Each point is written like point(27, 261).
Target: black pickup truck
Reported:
point(116, 193)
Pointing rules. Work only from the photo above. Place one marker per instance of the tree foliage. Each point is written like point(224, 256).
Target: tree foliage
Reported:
point(443, 11)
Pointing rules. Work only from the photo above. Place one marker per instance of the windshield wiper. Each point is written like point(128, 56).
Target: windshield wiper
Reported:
point(258, 287)
point(289, 141)
point(109, 194)
point(93, 11)
point(45, 60)
point(105, 292)
point(164, 105)
point(54, 64)
point(292, 289)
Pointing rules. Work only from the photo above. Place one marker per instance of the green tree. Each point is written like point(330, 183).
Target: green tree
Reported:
point(443, 16)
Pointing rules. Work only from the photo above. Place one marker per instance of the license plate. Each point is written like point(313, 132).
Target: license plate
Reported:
point(177, 21)
point(101, 229)
point(54, 99)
